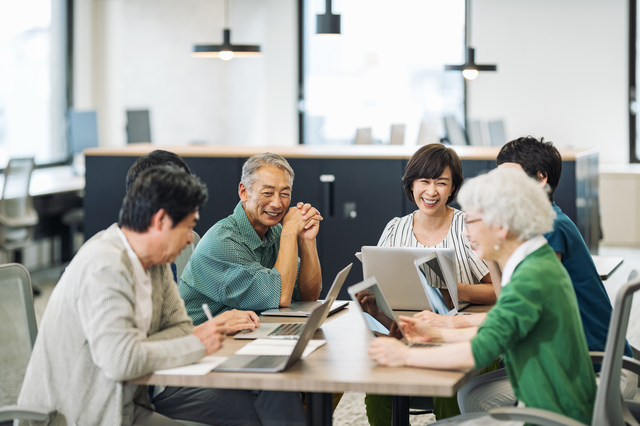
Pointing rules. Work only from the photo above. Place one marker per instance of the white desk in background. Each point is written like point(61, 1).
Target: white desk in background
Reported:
point(606, 265)
point(55, 190)
point(52, 181)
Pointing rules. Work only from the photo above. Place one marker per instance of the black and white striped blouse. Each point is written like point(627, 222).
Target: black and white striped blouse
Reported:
point(470, 269)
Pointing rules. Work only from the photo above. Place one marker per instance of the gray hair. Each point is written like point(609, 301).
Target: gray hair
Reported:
point(510, 199)
point(253, 164)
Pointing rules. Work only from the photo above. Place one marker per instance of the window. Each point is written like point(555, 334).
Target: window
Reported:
point(386, 68)
point(634, 146)
point(33, 90)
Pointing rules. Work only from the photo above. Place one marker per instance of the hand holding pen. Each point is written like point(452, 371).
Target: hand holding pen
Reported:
point(211, 333)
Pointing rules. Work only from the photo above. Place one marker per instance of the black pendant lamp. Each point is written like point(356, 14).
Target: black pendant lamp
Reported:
point(469, 69)
point(226, 50)
point(328, 23)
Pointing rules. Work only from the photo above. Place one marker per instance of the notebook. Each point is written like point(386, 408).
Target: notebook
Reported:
point(395, 271)
point(377, 313)
point(437, 272)
point(276, 363)
point(293, 330)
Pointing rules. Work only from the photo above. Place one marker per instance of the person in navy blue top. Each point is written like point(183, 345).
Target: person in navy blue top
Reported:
point(542, 161)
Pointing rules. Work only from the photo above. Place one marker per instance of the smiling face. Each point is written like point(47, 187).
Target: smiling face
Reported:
point(268, 201)
point(431, 195)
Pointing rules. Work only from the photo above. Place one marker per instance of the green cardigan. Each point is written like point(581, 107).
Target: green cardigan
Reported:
point(536, 325)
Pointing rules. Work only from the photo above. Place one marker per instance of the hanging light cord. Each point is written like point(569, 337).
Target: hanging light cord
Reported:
point(226, 13)
point(328, 8)
point(467, 21)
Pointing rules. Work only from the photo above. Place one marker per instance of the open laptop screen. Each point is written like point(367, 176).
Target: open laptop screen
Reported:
point(376, 311)
point(432, 276)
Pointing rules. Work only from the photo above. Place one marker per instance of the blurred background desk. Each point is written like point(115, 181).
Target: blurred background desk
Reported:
point(55, 191)
point(606, 265)
point(357, 188)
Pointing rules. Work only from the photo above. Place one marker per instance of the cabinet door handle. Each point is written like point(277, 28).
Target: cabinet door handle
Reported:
point(327, 193)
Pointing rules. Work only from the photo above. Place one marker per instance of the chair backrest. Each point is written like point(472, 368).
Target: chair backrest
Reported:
point(17, 178)
point(608, 398)
point(17, 213)
point(496, 130)
point(363, 136)
point(397, 134)
point(455, 132)
point(138, 126)
point(17, 329)
point(183, 258)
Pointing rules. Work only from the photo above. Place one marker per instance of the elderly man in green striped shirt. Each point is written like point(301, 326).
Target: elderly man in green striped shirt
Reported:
point(264, 255)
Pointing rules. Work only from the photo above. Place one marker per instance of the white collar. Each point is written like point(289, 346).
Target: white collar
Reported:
point(524, 250)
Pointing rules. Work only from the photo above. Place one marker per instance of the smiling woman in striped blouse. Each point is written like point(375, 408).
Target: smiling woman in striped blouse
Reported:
point(431, 180)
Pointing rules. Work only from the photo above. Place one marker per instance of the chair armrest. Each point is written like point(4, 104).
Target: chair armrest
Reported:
point(533, 415)
point(596, 357)
point(26, 412)
point(630, 364)
point(18, 222)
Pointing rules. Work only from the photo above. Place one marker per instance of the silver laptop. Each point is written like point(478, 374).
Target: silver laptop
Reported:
point(437, 273)
point(276, 363)
point(377, 313)
point(303, 309)
point(394, 269)
point(292, 330)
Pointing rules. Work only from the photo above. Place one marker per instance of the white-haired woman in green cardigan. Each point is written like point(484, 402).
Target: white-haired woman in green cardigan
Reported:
point(535, 323)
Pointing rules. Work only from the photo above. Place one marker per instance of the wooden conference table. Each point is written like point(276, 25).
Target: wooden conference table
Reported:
point(341, 365)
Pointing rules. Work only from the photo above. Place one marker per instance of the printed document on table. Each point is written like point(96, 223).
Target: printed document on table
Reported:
point(277, 347)
point(200, 368)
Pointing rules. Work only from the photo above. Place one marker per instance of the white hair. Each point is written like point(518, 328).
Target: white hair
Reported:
point(508, 198)
point(253, 164)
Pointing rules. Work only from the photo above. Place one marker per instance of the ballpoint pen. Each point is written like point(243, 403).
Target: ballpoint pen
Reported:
point(207, 311)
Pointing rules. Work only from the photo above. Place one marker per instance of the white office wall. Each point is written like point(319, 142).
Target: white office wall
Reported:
point(562, 71)
point(136, 54)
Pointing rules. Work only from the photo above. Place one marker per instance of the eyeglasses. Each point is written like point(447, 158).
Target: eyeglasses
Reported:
point(468, 221)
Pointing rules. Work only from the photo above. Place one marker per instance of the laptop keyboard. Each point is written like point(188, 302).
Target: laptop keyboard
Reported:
point(291, 329)
point(423, 345)
point(265, 361)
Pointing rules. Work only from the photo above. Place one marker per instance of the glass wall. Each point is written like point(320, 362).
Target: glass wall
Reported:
point(32, 80)
point(386, 68)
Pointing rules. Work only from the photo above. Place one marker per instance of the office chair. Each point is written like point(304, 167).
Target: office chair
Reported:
point(609, 408)
point(363, 136)
point(18, 217)
point(455, 133)
point(17, 336)
point(397, 134)
point(138, 127)
point(183, 258)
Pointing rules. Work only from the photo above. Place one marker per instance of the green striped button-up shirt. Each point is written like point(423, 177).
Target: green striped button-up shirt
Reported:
point(232, 268)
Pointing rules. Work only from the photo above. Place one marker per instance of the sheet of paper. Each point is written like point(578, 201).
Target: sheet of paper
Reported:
point(277, 347)
point(200, 368)
point(359, 255)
